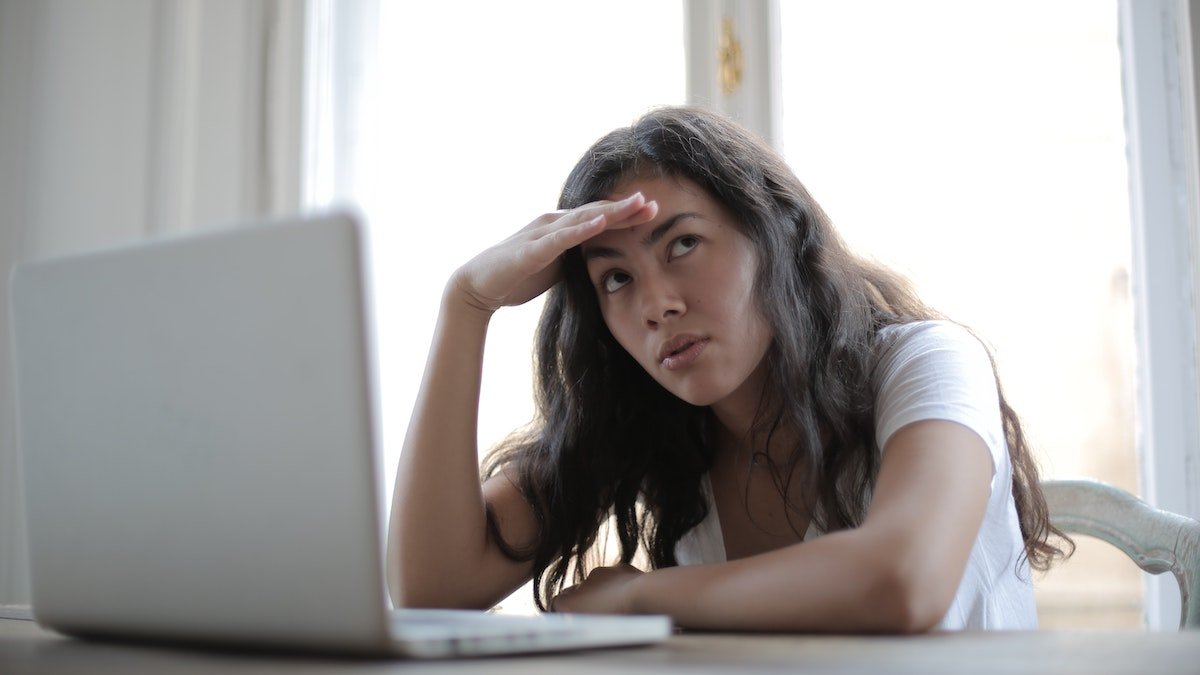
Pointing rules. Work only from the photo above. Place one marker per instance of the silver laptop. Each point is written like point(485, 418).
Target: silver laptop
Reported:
point(200, 446)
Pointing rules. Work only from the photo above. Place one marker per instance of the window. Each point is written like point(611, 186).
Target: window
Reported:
point(980, 150)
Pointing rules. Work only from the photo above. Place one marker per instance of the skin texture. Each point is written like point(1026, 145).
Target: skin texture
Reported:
point(689, 286)
point(691, 283)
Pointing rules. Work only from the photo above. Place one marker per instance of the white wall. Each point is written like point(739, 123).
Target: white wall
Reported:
point(75, 107)
point(126, 118)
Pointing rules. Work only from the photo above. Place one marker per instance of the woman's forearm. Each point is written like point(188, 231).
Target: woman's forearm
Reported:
point(831, 584)
point(897, 572)
point(437, 532)
point(439, 551)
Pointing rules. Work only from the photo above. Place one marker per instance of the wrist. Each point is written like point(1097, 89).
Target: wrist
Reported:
point(639, 598)
point(457, 300)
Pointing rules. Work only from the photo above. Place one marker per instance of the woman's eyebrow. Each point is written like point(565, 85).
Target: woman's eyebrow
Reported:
point(590, 252)
point(658, 232)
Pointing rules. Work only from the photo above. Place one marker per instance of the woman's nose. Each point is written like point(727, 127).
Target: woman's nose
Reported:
point(661, 301)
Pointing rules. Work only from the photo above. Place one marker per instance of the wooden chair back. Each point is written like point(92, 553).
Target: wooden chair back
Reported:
point(1158, 541)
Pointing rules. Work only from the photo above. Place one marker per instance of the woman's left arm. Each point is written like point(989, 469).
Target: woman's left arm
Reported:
point(897, 572)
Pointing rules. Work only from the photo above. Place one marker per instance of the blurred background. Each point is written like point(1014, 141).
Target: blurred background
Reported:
point(995, 153)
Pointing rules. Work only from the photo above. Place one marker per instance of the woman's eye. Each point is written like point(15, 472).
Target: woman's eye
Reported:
point(613, 281)
point(683, 245)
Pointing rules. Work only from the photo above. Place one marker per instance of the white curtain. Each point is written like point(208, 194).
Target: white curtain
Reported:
point(126, 119)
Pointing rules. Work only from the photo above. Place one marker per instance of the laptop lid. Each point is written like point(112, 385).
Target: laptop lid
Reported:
point(198, 438)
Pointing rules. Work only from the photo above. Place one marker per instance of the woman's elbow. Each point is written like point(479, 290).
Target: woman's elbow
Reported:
point(412, 594)
point(395, 584)
point(910, 598)
point(404, 588)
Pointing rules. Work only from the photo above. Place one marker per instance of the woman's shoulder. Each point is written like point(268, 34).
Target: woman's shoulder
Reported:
point(935, 370)
point(931, 331)
point(934, 339)
point(921, 345)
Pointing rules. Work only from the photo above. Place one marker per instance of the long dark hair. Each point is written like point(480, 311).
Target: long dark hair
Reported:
point(611, 445)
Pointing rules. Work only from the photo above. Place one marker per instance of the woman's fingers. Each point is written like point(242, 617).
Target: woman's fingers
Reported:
point(616, 212)
point(633, 210)
point(606, 590)
point(572, 230)
point(526, 264)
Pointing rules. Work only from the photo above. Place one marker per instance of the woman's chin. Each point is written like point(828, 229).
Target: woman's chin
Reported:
point(694, 396)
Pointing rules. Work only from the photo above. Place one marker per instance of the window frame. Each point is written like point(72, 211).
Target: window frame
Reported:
point(1158, 70)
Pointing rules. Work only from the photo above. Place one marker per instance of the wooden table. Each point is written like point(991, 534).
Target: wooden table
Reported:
point(26, 648)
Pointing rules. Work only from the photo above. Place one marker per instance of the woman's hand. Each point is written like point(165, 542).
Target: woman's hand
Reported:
point(606, 590)
point(526, 264)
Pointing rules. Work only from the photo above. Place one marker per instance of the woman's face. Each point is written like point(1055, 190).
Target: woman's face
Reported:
point(678, 294)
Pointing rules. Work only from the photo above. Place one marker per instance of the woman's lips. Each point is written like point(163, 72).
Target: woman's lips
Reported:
point(685, 357)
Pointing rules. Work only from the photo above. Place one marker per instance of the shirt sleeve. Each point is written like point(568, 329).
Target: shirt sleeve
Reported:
point(937, 370)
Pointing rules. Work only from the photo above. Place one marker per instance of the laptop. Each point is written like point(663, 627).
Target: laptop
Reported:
point(199, 439)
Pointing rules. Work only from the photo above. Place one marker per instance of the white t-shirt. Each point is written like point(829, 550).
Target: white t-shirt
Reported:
point(936, 370)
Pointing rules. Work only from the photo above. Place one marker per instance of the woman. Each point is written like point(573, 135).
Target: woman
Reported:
point(784, 431)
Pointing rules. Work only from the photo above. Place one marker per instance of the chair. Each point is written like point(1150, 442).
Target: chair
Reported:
point(1158, 541)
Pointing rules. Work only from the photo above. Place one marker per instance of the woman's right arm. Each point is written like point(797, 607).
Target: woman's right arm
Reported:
point(439, 551)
